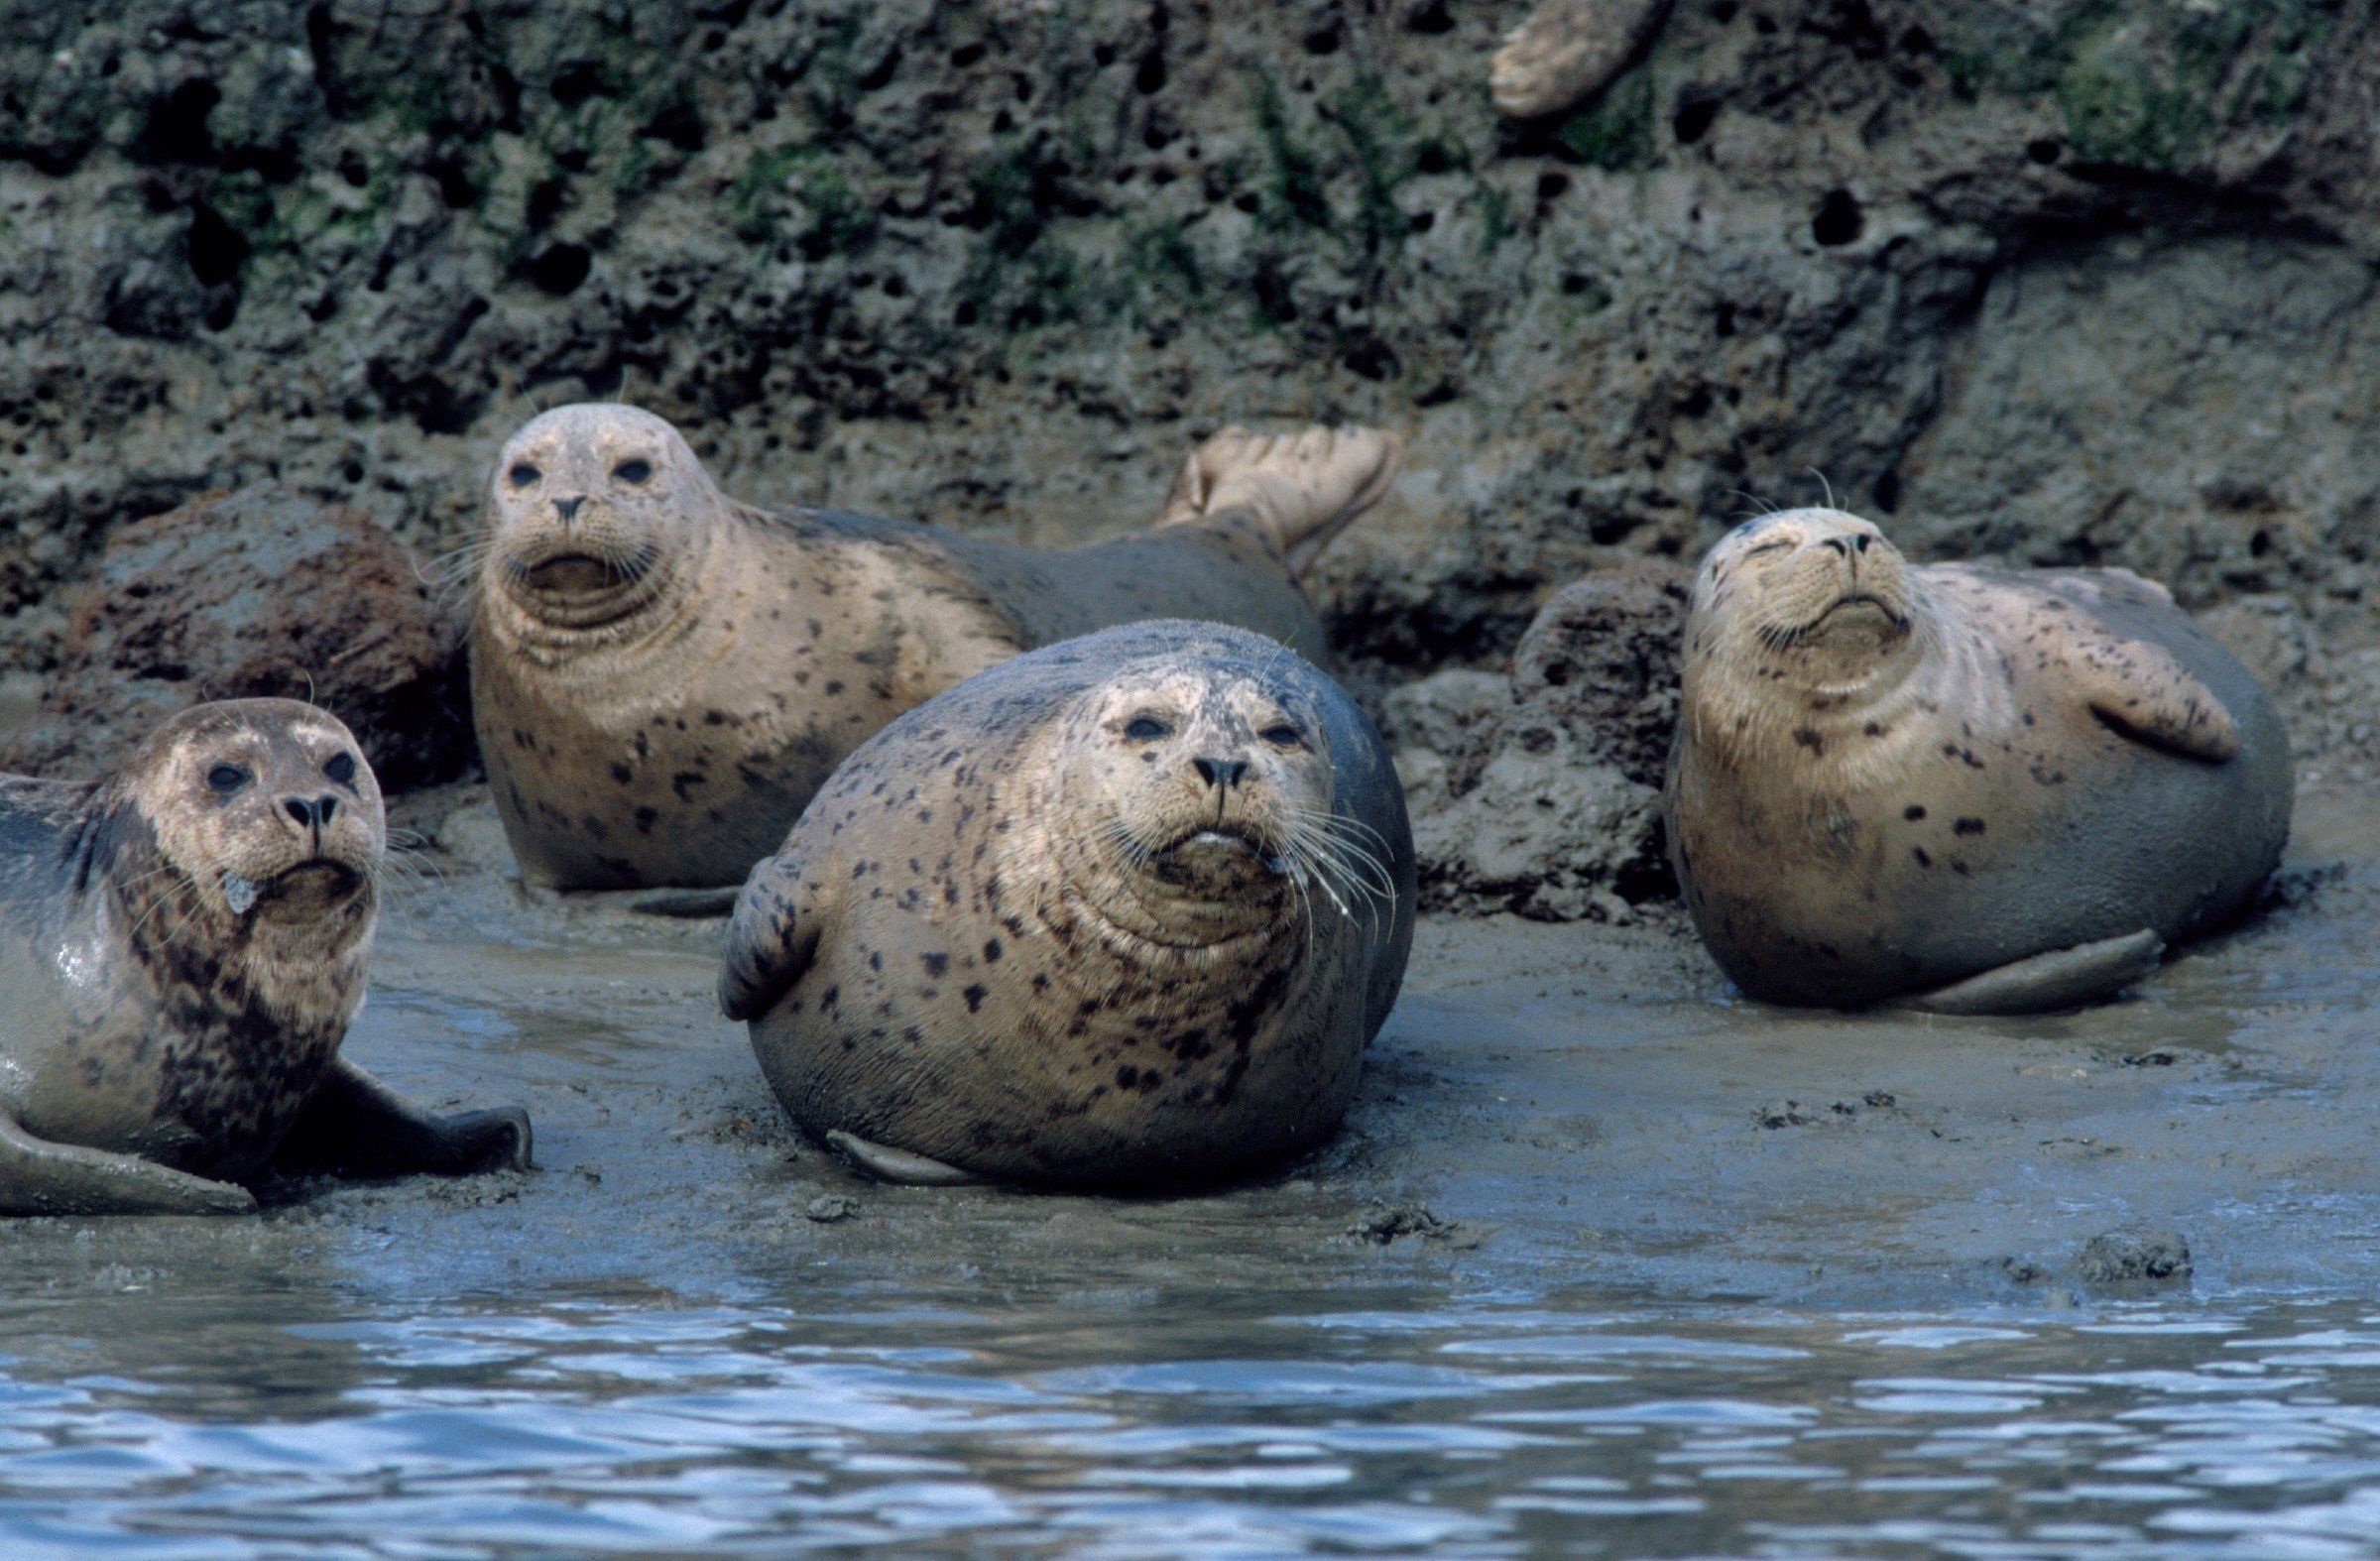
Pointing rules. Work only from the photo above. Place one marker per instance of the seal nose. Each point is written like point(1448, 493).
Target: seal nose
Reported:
point(311, 813)
point(1861, 541)
point(568, 508)
point(1223, 772)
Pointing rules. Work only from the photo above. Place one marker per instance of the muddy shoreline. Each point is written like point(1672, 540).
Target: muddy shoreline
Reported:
point(1564, 1106)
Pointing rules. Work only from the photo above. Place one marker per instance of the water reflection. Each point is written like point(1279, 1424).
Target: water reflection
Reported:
point(637, 1422)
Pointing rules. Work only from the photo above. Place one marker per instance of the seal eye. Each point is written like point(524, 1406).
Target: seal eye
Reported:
point(341, 767)
point(633, 472)
point(1283, 736)
point(227, 778)
point(1147, 729)
point(523, 474)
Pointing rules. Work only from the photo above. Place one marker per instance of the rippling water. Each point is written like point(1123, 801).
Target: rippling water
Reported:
point(1212, 1420)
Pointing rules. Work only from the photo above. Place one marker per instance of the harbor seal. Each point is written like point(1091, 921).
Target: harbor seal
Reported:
point(1123, 912)
point(1975, 790)
point(183, 946)
point(662, 678)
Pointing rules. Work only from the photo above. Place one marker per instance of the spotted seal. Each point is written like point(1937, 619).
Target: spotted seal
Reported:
point(662, 678)
point(1974, 788)
point(183, 946)
point(1121, 912)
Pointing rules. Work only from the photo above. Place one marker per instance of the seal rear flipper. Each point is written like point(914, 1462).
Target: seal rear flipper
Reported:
point(2062, 978)
point(1567, 52)
point(770, 941)
point(1301, 488)
point(886, 1164)
point(356, 1125)
point(2139, 690)
point(37, 1176)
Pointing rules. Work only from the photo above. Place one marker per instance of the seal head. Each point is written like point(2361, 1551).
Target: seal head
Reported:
point(596, 511)
point(264, 813)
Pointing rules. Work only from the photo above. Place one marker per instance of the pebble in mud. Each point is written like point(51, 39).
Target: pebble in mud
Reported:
point(2126, 1258)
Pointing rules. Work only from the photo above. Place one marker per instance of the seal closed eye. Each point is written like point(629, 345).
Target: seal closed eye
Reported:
point(183, 946)
point(1968, 789)
point(1121, 912)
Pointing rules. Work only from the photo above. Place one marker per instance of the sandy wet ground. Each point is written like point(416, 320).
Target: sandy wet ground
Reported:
point(1567, 1105)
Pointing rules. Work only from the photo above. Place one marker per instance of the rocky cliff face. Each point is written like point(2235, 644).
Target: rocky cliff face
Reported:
point(2055, 280)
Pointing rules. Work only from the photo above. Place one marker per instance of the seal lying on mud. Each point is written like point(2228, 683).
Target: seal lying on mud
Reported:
point(663, 677)
point(1122, 912)
point(1567, 52)
point(181, 949)
point(1976, 789)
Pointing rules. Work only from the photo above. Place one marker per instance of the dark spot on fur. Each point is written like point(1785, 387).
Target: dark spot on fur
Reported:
point(1969, 826)
point(935, 964)
point(1913, 812)
point(975, 996)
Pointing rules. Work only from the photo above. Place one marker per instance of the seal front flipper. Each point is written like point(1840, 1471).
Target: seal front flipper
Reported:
point(770, 940)
point(886, 1164)
point(2140, 691)
point(2062, 978)
point(354, 1125)
point(37, 1176)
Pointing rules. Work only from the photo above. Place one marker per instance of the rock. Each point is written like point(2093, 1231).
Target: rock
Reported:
point(2124, 1259)
point(830, 1208)
point(1602, 656)
point(254, 593)
point(1383, 1224)
point(1539, 792)
point(1980, 264)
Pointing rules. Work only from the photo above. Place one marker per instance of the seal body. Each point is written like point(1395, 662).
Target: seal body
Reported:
point(662, 679)
point(182, 947)
point(1981, 787)
point(1121, 912)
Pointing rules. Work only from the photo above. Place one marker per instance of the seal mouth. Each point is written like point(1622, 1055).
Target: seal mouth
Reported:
point(1233, 842)
point(1859, 599)
point(317, 880)
point(578, 573)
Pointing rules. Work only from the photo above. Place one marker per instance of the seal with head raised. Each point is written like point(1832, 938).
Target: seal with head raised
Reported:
point(183, 946)
point(1122, 912)
point(1975, 790)
point(662, 678)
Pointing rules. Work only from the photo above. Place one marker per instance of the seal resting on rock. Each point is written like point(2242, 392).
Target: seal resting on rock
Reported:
point(1973, 789)
point(1123, 912)
point(663, 677)
point(183, 946)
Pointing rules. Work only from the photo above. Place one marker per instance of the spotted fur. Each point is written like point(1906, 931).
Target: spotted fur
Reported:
point(1019, 935)
point(1890, 778)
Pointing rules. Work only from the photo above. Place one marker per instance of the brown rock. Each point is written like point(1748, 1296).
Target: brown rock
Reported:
point(254, 592)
